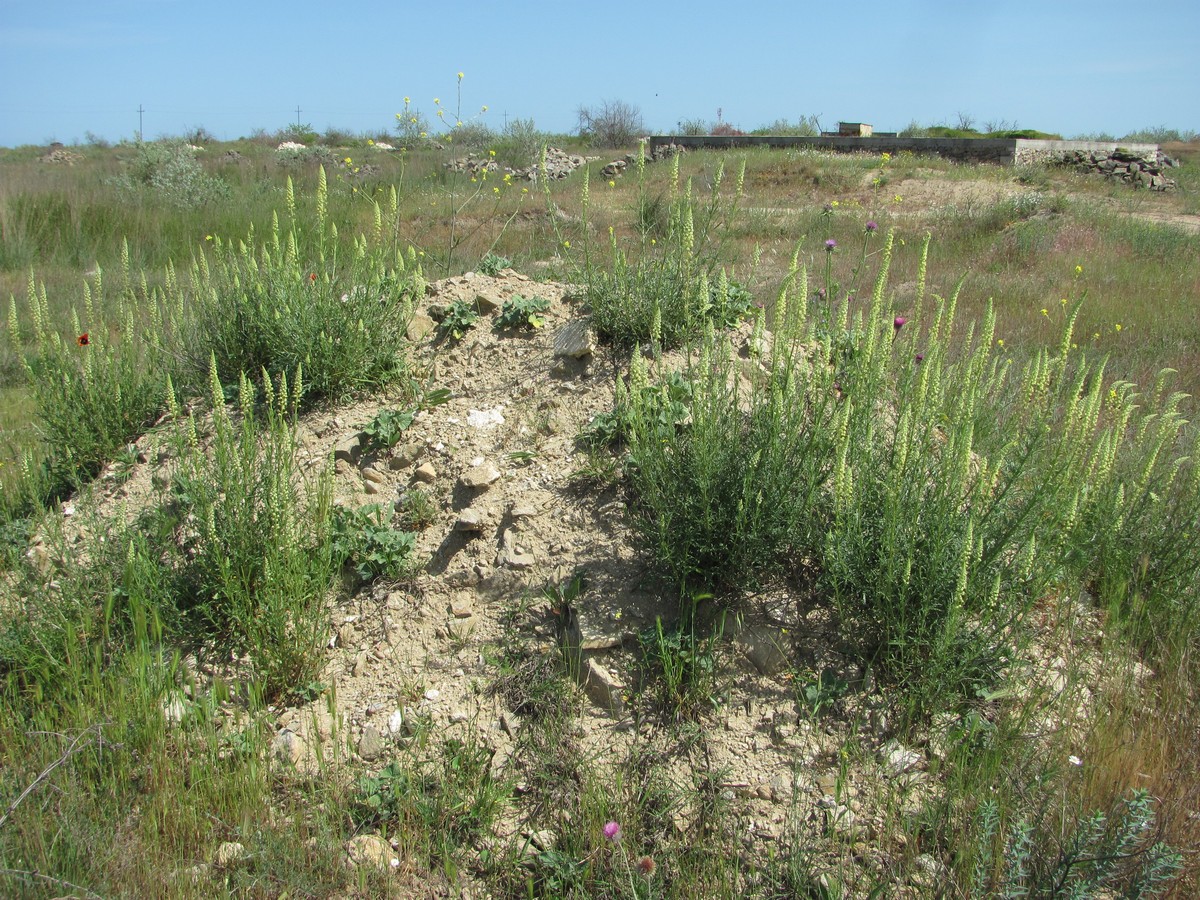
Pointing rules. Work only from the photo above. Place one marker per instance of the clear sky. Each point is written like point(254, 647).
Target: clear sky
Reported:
point(68, 67)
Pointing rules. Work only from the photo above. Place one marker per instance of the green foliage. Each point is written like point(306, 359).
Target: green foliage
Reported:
point(417, 509)
point(169, 171)
point(364, 538)
point(492, 264)
point(1094, 855)
point(459, 319)
point(257, 558)
point(675, 286)
point(447, 800)
point(680, 664)
point(292, 301)
point(935, 493)
point(95, 388)
point(384, 431)
point(523, 312)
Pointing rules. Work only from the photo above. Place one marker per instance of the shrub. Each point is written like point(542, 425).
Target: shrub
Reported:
point(934, 493)
point(96, 387)
point(614, 123)
point(169, 171)
point(675, 285)
point(257, 555)
point(291, 301)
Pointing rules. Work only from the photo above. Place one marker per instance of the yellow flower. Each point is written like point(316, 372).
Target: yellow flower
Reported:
point(524, 190)
point(208, 237)
point(406, 100)
point(653, 242)
point(483, 109)
point(897, 199)
point(436, 101)
point(567, 245)
point(348, 160)
point(1079, 270)
point(356, 168)
point(886, 157)
point(370, 143)
point(424, 134)
point(1063, 301)
point(999, 342)
point(1118, 326)
point(413, 119)
point(612, 183)
point(1045, 313)
point(1096, 336)
point(835, 204)
point(491, 153)
point(460, 76)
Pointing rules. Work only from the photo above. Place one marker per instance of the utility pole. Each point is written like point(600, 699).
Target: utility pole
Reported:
point(140, 129)
point(297, 117)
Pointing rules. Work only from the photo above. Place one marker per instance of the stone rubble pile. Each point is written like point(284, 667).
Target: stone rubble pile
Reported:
point(1131, 167)
point(559, 163)
point(59, 154)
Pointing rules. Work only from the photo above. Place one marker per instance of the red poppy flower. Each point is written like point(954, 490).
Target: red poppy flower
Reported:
point(83, 340)
point(312, 276)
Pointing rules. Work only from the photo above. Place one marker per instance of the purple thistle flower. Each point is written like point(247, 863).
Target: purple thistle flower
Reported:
point(899, 322)
point(920, 357)
point(871, 226)
point(612, 830)
point(829, 245)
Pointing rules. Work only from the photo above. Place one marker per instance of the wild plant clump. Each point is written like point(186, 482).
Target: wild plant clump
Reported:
point(933, 491)
point(669, 289)
point(293, 301)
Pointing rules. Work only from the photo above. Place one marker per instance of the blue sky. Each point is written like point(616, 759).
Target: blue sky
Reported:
point(67, 68)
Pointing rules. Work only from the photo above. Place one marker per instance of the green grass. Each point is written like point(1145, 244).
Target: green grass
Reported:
point(956, 493)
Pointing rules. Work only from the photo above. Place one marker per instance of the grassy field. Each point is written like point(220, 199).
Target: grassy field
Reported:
point(948, 430)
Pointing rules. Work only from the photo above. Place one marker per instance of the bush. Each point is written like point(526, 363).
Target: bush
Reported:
point(169, 171)
point(933, 492)
point(287, 302)
point(614, 123)
point(95, 388)
point(675, 285)
point(257, 556)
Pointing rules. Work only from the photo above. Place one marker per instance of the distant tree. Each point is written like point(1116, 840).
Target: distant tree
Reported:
point(614, 123)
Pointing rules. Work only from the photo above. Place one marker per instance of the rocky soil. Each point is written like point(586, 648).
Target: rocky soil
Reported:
point(498, 461)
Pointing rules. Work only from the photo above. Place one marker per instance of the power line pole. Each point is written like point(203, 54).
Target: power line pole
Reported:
point(141, 131)
point(297, 117)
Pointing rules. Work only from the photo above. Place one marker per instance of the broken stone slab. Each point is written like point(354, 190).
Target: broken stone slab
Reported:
point(349, 449)
point(405, 455)
point(370, 745)
point(575, 340)
point(480, 476)
point(513, 555)
point(371, 851)
point(469, 521)
point(764, 647)
point(487, 304)
point(602, 687)
point(372, 474)
point(420, 327)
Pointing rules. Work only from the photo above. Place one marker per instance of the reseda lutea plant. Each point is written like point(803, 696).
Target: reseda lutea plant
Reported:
point(293, 300)
point(934, 493)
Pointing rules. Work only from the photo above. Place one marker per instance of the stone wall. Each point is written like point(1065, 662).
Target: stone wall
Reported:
point(1140, 164)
